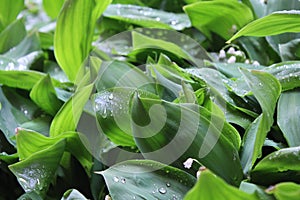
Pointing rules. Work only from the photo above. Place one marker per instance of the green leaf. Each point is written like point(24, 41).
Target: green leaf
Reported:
point(74, 33)
point(44, 95)
point(146, 179)
point(171, 133)
point(147, 17)
point(12, 35)
point(266, 90)
point(288, 111)
point(290, 50)
point(221, 17)
point(9, 11)
point(281, 165)
point(73, 194)
point(287, 73)
point(284, 191)
point(52, 8)
point(29, 196)
point(37, 171)
point(68, 116)
point(251, 188)
point(221, 190)
point(273, 24)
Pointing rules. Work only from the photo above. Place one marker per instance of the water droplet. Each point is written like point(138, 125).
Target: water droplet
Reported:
point(157, 19)
point(168, 184)
point(111, 96)
point(123, 180)
point(116, 179)
point(162, 190)
point(174, 22)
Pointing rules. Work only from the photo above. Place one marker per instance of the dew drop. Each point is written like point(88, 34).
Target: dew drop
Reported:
point(111, 96)
point(116, 179)
point(157, 19)
point(168, 184)
point(123, 180)
point(162, 190)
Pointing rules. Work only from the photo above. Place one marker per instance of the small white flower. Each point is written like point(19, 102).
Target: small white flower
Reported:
point(247, 61)
point(232, 59)
point(222, 54)
point(255, 63)
point(231, 50)
point(238, 53)
point(107, 197)
point(234, 28)
point(198, 174)
point(188, 163)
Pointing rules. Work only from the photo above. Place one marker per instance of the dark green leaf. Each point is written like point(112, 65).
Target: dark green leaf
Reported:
point(145, 179)
point(73, 194)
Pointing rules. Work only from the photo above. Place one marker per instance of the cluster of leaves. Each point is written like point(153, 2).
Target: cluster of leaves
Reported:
point(60, 79)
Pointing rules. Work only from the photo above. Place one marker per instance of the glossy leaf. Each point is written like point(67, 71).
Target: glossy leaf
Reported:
point(216, 16)
point(159, 127)
point(9, 12)
point(207, 181)
point(147, 17)
point(74, 33)
point(266, 90)
point(73, 194)
point(37, 171)
point(288, 111)
point(273, 24)
point(281, 165)
point(44, 95)
point(287, 190)
point(68, 116)
point(146, 179)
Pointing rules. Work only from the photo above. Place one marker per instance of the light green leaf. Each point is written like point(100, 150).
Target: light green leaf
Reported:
point(74, 33)
point(68, 116)
point(281, 165)
point(287, 190)
point(52, 8)
point(171, 133)
point(147, 17)
point(73, 194)
point(218, 16)
point(266, 90)
point(37, 171)
point(9, 11)
point(273, 24)
point(44, 95)
point(288, 112)
point(221, 190)
point(146, 179)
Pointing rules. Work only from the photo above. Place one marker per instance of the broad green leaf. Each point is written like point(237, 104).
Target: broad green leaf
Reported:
point(9, 11)
point(147, 17)
point(40, 124)
point(146, 179)
point(281, 165)
point(221, 17)
point(288, 111)
point(290, 50)
point(74, 33)
point(30, 142)
point(287, 73)
point(266, 90)
point(52, 8)
point(12, 35)
point(286, 190)
point(251, 188)
point(44, 95)
point(171, 133)
point(68, 116)
point(273, 24)
point(30, 195)
point(73, 194)
point(23, 79)
point(37, 171)
point(221, 190)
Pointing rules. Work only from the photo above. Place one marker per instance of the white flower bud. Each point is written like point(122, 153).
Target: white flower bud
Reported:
point(232, 59)
point(188, 163)
point(222, 54)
